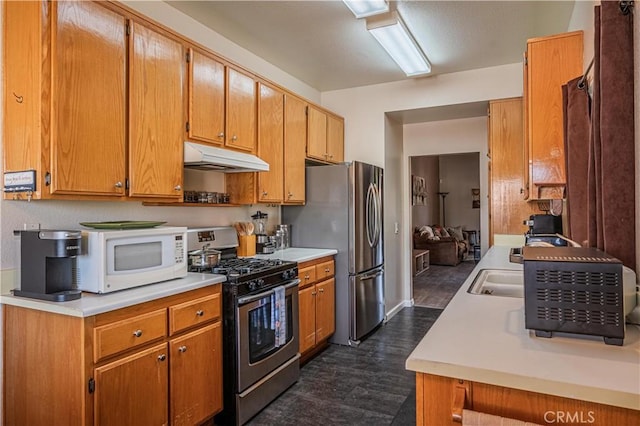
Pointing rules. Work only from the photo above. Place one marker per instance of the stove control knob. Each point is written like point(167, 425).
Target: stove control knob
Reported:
point(260, 282)
point(288, 274)
point(253, 286)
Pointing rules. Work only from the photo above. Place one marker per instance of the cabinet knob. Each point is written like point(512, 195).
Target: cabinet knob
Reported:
point(199, 312)
point(118, 185)
point(137, 333)
point(182, 349)
point(264, 193)
point(221, 135)
point(327, 270)
point(321, 290)
point(290, 195)
point(162, 357)
point(234, 138)
point(313, 293)
point(307, 277)
point(330, 156)
point(178, 188)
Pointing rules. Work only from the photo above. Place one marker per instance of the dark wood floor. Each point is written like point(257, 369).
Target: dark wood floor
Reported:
point(364, 385)
point(435, 287)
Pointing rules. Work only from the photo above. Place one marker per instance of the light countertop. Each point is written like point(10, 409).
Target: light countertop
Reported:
point(483, 338)
point(298, 254)
point(92, 304)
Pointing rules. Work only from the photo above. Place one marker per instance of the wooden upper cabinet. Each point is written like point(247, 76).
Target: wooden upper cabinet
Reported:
point(271, 143)
point(507, 208)
point(206, 98)
point(295, 137)
point(317, 134)
point(156, 114)
point(325, 139)
point(335, 139)
point(241, 111)
point(88, 139)
point(550, 63)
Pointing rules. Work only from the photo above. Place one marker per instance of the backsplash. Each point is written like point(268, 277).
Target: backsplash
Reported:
point(68, 214)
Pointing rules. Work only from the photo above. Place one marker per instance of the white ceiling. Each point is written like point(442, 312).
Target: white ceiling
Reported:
point(322, 44)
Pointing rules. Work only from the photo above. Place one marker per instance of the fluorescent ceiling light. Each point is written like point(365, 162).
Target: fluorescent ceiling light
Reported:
point(364, 8)
point(394, 36)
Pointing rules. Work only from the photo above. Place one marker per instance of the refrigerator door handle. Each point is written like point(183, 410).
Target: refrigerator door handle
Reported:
point(372, 275)
point(375, 200)
point(370, 209)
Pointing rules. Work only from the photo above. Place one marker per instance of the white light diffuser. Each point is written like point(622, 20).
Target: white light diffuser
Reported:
point(394, 36)
point(364, 8)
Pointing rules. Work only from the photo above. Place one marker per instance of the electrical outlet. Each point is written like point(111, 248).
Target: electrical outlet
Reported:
point(31, 226)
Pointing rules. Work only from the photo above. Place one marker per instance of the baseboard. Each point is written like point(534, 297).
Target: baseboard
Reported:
point(398, 308)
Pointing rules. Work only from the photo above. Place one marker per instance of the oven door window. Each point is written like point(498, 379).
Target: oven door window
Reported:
point(262, 327)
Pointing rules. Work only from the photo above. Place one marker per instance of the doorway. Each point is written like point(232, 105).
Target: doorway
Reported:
point(445, 195)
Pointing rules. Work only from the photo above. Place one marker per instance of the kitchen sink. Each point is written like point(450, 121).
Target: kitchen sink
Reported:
point(498, 282)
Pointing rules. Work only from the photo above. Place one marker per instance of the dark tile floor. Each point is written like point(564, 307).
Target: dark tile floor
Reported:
point(435, 287)
point(364, 385)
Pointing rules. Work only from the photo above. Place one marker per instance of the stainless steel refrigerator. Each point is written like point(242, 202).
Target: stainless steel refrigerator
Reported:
point(343, 211)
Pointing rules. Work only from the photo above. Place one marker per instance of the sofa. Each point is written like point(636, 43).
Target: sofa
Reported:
point(445, 247)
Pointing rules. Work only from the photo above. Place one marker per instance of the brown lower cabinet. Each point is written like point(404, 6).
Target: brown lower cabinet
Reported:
point(316, 299)
point(155, 363)
point(440, 400)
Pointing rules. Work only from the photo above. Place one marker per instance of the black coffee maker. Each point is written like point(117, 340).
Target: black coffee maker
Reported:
point(48, 268)
point(544, 228)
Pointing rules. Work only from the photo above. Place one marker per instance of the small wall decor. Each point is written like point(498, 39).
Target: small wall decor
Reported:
point(418, 192)
point(475, 198)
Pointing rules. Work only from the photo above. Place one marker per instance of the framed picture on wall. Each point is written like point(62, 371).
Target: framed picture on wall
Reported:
point(475, 198)
point(418, 191)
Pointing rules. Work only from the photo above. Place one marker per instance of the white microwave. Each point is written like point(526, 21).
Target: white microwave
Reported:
point(113, 260)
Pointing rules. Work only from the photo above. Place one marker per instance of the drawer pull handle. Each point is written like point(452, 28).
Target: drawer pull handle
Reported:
point(182, 349)
point(327, 270)
point(137, 333)
point(307, 277)
point(162, 357)
point(200, 312)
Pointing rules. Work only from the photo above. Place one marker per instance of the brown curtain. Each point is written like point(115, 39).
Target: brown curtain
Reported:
point(601, 204)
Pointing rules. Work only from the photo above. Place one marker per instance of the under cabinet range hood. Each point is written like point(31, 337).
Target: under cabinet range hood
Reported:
point(205, 157)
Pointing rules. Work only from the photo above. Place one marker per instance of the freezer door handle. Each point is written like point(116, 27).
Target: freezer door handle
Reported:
point(371, 215)
point(372, 275)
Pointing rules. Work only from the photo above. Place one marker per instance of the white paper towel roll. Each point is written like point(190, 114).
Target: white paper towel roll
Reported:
point(474, 418)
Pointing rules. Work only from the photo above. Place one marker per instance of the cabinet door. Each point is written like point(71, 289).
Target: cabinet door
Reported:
point(196, 375)
point(325, 309)
point(507, 208)
point(156, 116)
point(317, 134)
point(295, 137)
point(206, 98)
point(307, 326)
point(241, 111)
point(552, 61)
point(335, 139)
point(133, 390)
point(88, 123)
point(271, 144)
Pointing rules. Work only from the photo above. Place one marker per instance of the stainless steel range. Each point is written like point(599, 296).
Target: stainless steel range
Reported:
point(260, 325)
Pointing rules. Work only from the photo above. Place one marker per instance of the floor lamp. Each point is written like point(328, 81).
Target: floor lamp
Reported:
point(443, 195)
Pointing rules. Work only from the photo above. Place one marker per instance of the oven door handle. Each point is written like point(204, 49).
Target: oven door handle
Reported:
point(253, 297)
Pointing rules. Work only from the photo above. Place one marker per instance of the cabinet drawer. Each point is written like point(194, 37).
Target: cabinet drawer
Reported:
point(307, 276)
point(126, 334)
point(193, 312)
point(325, 269)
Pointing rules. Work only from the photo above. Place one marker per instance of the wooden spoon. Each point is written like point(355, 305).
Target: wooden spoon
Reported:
point(250, 227)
